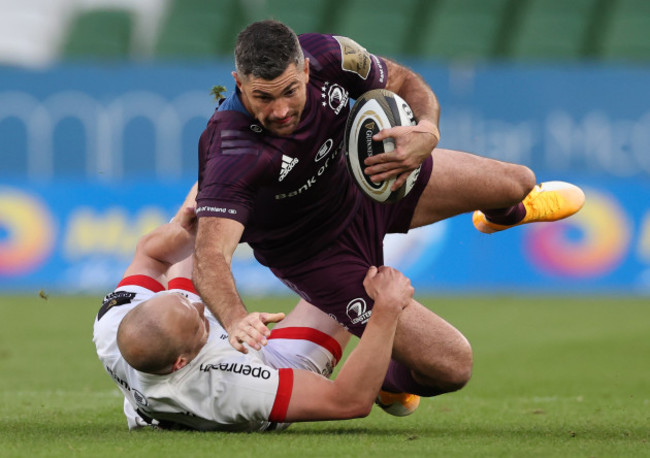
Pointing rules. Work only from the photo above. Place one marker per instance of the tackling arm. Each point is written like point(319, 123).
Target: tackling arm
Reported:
point(353, 392)
point(166, 245)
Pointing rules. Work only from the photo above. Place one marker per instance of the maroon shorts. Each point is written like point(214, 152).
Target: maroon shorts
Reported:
point(332, 280)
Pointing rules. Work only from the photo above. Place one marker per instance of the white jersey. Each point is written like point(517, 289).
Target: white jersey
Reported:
point(221, 388)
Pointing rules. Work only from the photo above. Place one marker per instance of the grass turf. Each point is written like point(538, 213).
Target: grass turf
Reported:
point(554, 376)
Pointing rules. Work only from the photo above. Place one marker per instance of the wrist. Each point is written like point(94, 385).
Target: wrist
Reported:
point(430, 127)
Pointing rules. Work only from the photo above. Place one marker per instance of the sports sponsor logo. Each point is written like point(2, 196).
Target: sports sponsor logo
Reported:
point(313, 179)
point(236, 368)
point(210, 209)
point(324, 149)
point(288, 163)
point(409, 113)
point(354, 57)
point(357, 311)
point(123, 383)
point(370, 127)
point(255, 128)
point(140, 398)
point(114, 299)
point(335, 96)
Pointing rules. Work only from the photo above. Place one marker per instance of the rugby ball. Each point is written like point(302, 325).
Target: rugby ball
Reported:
point(373, 111)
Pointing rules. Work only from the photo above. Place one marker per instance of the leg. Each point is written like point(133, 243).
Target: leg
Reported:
point(437, 355)
point(306, 315)
point(462, 182)
point(306, 339)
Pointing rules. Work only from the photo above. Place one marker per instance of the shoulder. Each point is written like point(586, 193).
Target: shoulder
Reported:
point(115, 306)
point(231, 132)
point(339, 58)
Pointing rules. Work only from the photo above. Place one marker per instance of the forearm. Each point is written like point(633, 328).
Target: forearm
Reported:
point(159, 249)
point(367, 365)
point(353, 392)
point(215, 284)
point(417, 93)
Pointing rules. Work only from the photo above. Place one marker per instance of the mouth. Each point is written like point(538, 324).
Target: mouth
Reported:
point(284, 121)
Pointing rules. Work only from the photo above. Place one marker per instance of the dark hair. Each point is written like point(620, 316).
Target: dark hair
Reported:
point(265, 49)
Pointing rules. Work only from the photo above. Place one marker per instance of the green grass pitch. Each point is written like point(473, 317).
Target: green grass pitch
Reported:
point(553, 376)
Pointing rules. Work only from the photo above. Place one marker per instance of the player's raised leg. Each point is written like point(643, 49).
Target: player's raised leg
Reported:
point(501, 194)
point(549, 201)
point(462, 182)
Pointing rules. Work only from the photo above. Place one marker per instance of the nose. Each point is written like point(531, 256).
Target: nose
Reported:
point(280, 109)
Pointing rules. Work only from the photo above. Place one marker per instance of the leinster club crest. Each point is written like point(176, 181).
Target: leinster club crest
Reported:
point(357, 311)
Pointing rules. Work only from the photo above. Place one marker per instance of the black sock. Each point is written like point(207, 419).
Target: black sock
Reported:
point(399, 380)
point(506, 216)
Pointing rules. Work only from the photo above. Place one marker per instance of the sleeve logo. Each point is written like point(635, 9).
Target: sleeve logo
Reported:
point(354, 57)
point(115, 299)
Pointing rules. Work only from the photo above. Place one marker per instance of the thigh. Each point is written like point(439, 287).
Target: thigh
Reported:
point(335, 286)
point(305, 315)
point(463, 182)
point(332, 280)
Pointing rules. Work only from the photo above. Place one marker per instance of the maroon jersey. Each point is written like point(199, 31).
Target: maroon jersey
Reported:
point(293, 194)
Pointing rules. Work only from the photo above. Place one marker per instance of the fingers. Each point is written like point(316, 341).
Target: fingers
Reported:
point(237, 344)
point(271, 317)
point(187, 218)
point(368, 282)
point(385, 133)
point(252, 330)
point(372, 271)
point(399, 182)
point(390, 284)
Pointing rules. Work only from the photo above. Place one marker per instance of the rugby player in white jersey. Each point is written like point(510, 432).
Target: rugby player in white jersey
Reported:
point(172, 361)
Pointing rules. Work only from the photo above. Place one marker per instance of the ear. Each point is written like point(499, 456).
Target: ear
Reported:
point(237, 80)
point(180, 363)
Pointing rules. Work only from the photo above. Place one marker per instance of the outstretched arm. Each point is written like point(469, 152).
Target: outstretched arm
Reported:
point(355, 388)
point(216, 241)
point(413, 144)
point(167, 244)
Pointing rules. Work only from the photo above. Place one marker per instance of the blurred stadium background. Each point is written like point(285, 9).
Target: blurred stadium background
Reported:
point(102, 103)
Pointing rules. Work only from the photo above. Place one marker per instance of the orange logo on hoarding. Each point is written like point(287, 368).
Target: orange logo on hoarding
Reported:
point(590, 244)
point(26, 232)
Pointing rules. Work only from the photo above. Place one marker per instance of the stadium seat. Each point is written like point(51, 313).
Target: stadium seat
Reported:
point(382, 26)
point(200, 29)
point(301, 16)
point(462, 29)
point(627, 34)
point(104, 34)
point(553, 29)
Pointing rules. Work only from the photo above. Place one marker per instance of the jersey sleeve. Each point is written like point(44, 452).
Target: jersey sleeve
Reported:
point(343, 60)
point(130, 292)
point(231, 170)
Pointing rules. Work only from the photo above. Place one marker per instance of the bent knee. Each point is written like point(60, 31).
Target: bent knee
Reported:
point(448, 376)
point(459, 372)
